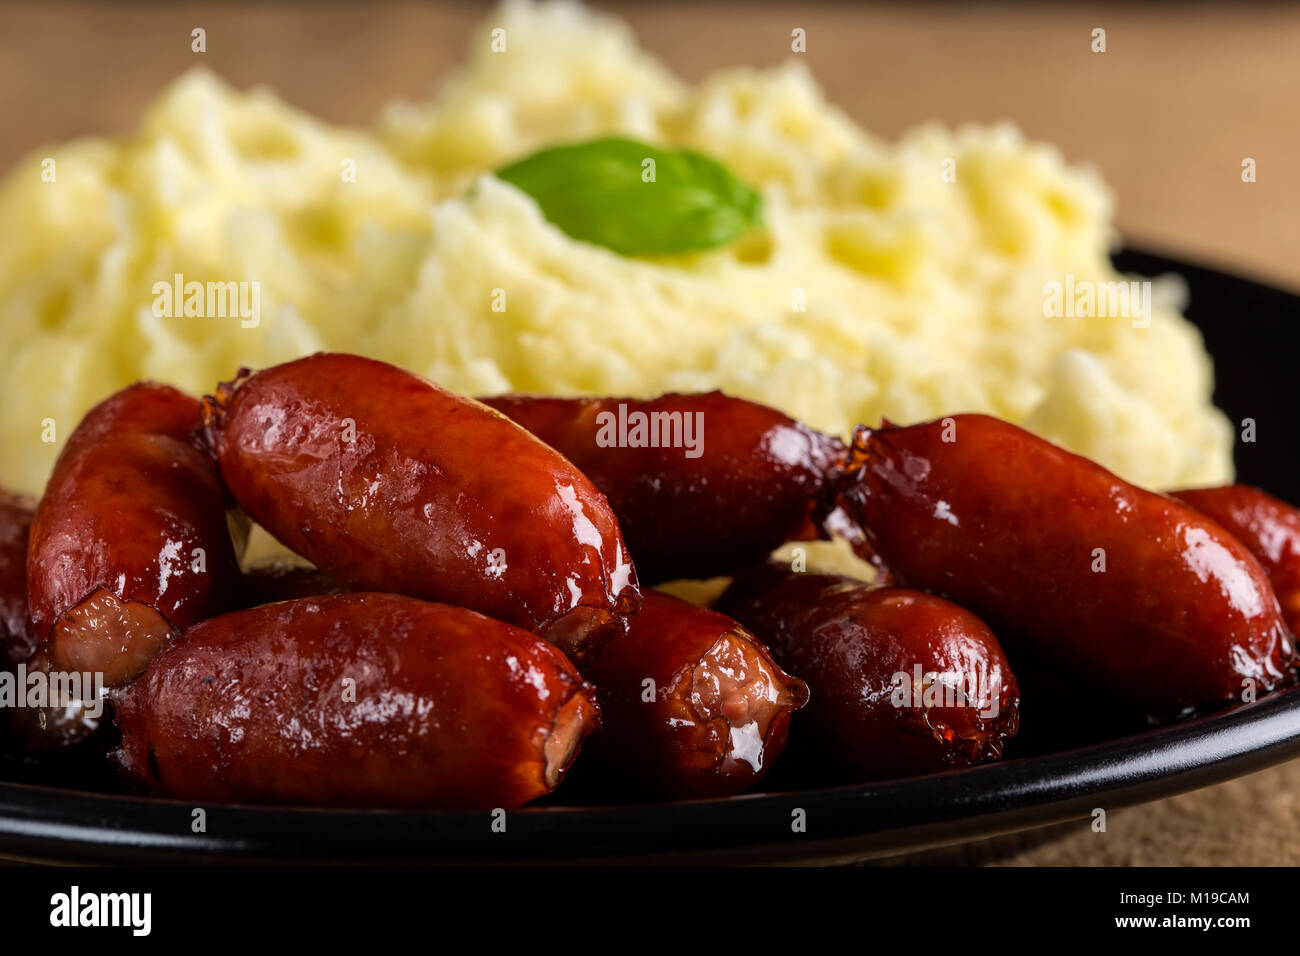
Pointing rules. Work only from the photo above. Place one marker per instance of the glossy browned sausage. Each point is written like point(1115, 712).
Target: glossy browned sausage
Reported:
point(26, 728)
point(1269, 527)
point(130, 543)
point(43, 715)
point(38, 716)
point(387, 482)
point(703, 485)
point(17, 636)
point(902, 682)
point(1136, 595)
point(693, 706)
point(356, 700)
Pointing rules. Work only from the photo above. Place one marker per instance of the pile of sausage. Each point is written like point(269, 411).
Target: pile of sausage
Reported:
point(479, 616)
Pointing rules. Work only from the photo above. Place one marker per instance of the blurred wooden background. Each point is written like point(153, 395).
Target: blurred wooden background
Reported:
point(1182, 95)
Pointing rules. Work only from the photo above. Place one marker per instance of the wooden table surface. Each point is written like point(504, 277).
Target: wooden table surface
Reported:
point(1167, 114)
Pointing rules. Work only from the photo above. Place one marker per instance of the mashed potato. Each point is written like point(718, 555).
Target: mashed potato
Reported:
point(878, 286)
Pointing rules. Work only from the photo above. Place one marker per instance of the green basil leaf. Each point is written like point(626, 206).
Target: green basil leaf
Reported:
point(597, 192)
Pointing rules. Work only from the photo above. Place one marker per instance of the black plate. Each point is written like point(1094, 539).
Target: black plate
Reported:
point(1249, 328)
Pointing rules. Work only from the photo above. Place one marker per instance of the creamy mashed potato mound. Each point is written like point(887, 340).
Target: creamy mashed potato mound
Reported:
point(876, 288)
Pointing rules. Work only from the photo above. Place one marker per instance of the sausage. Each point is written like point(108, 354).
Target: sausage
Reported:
point(130, 543)
point(1137, 596)
point(75, 710)
point(712, 721)
point(901, 682)
point(1268, 527)
point(18, 641)
point(387, 482)
point(725, 482)
point(355, 700)
point(17, 637)
point(268, 583)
